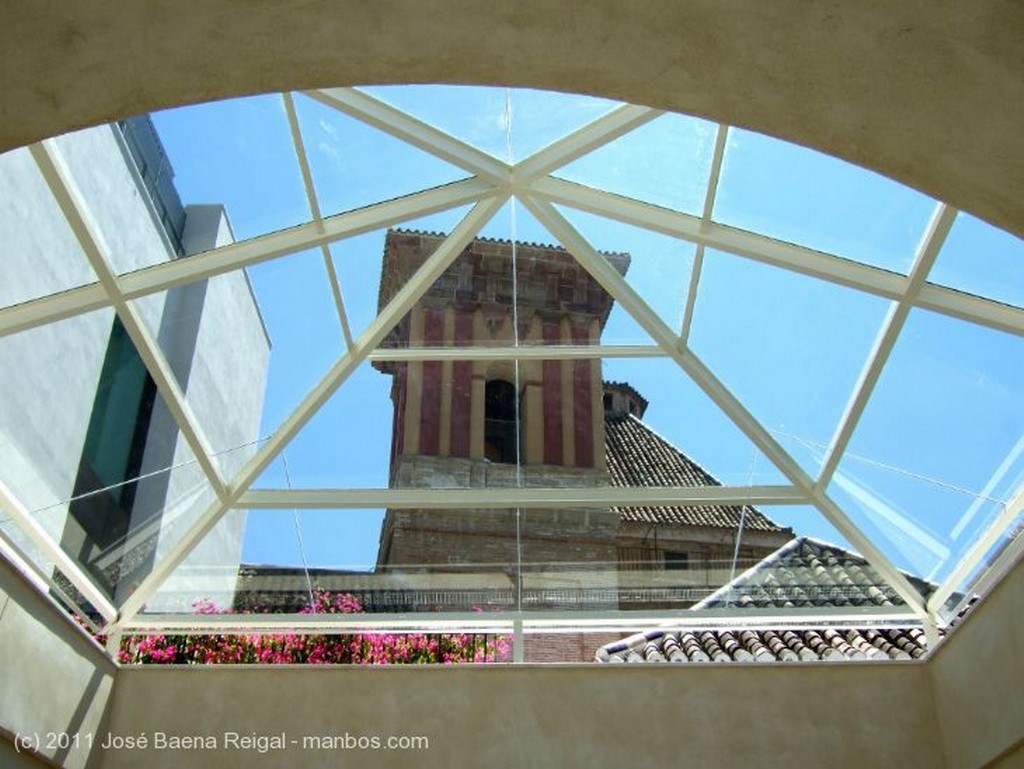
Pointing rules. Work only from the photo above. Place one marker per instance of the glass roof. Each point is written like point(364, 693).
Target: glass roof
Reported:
point(580, 362)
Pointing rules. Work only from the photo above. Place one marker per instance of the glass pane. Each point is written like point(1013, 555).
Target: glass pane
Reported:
point(802, 196)
point(137, 222)
point(981, 259)
point(346, 443)
point(94, 453)
point(296, 306)
point(540, 118)
point(229, 340)
point(939, 447)
point(206, 581)
point(55, 377)
point(477, 115)
point(655, 266)
point(995, 563)
point(640, 559)
point(238, 153)
point(362, 261)
point(473, 114)
point(41, 254)
point(354, 165)
point(679, 412)
point(665, 162)
point(789, 346)
point(41, 572)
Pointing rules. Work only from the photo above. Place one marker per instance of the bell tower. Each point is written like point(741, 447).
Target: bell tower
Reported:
point(493, 423)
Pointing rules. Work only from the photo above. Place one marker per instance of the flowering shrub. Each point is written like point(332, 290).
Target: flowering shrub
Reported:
point(315, 649)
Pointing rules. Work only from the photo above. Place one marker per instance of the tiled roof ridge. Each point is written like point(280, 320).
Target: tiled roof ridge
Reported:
point(606, 383)
point(769, 560)
point(758, 645)
point(499, 241)
point(857, 574)
point(701, 476)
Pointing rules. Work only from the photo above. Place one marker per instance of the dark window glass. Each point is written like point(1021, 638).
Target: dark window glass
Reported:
point(677, 560)
point(113, 451)
point(500, 433)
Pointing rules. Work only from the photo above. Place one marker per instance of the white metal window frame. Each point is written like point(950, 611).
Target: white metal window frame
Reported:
point(490, 184)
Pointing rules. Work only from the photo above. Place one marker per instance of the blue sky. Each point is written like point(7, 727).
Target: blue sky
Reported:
point(947, 412)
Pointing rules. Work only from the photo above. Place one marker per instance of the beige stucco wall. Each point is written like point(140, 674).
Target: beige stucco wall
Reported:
point(927, 91)
point(707, 716)
point(53, 680)
point(962, 709)
point(979, 682)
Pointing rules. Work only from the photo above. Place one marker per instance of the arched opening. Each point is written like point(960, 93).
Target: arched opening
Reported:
point(501, 436)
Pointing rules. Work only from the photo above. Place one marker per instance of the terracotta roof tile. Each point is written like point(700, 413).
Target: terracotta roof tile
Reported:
point(637, 457)
point(804, 572)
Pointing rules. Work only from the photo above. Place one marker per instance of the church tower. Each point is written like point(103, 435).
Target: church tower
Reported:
point(491, 423)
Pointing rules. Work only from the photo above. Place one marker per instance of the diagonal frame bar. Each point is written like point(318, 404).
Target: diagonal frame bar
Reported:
point(972, 559)
point(616, 285)
point(161, 277)
point(396, 309)
point(68, 566)
point(583, 141)
point(777, 253)
point(714, 176)
point(410, 130)
point(91, 240)
point(317, 214)
point(935, 235)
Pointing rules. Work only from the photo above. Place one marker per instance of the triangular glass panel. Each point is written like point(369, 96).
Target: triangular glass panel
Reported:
point(354, 164)
point(665, 162)
point(540, 118)
point(816, 572)
point(678, 414)
point(47, 399)
point(751, 327)
point(302, 322)
point(908, 516)
point(246, 346)
point(41, 253)
point(801, 196)
point(94, 454)
point(993, 563)
point(981, 259)
point(656, 267)
point(205, 582)
point(139, 220)
point(472, 114)
point(514, 222)
point(346, 443)
point(237, 153)
point(938, 450)
point(361, 262)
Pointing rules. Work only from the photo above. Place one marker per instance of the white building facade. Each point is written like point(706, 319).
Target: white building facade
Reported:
point(87, 442)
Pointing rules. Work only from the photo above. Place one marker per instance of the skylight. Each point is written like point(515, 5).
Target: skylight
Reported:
point(711, 342)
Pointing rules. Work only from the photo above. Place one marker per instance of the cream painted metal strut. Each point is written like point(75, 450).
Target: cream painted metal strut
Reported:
point(399, 305)
point(622, 292)
point(492, 182)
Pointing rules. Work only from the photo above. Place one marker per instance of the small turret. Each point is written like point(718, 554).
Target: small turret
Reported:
point(620, 399)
